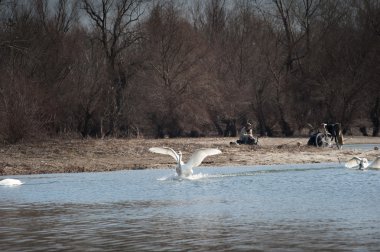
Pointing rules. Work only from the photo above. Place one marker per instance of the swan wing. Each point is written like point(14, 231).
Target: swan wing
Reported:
point(198, 156)
point(353, 162)
point(375, 164)
point(165, 151)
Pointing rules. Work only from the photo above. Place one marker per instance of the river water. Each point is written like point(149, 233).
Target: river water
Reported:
point(362, 147)
point(313, 207)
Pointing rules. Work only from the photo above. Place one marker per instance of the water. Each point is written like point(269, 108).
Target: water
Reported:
point(364, 147)
point(322, 207)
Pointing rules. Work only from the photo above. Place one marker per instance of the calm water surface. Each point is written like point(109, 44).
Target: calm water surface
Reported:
point(319, 207)
point(361, 146)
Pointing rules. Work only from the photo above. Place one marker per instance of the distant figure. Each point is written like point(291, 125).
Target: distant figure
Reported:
point(335, 131)
point(246, 135)
point(330, 132)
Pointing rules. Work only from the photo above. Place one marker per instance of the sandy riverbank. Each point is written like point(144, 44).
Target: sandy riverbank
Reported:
point(90, 155)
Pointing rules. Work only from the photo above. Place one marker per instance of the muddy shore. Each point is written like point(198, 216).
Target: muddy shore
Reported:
point(95, 155)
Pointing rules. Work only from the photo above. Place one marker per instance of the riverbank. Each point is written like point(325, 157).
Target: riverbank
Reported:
point(95, 155)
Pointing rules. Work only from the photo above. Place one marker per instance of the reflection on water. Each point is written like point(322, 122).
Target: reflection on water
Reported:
point(281, 208)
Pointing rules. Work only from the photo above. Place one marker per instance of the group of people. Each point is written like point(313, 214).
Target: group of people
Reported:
point(333, 130)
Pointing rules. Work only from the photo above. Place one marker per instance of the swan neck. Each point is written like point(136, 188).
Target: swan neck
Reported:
point(180, 158)
point(179, 167)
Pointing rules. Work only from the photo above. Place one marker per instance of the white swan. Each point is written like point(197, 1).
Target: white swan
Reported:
point(362, 163)
point(357, 163)
point(10, 182)
point(195, 160)
point(375, 164)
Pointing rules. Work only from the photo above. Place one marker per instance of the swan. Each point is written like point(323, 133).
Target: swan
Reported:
point(195, 160)
point(357, 162)
point(362, 163)
point(375, 164)
point(10, 182)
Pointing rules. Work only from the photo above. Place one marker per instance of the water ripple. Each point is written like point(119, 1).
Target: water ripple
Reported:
point(294, 208)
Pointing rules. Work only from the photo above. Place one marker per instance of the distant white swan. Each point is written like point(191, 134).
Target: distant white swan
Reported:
point(362, 163)
point(10, 182)
point(375, 164)
point(195, 160)
point(357, 163)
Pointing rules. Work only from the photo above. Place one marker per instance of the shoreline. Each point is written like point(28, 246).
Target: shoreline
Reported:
point(96, 155)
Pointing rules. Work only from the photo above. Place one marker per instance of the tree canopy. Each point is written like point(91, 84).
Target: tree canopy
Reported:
point(127, 68)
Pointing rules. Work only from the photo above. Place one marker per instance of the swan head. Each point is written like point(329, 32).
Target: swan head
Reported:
point(180, 156)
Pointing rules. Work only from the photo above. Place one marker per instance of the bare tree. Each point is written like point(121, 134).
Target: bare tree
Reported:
point(116, 29)
point(368, 18)
point(215, 28)
point(177, 76)
point(85, 90)
point(116, 71)
point(60, 21)
point(20, 113)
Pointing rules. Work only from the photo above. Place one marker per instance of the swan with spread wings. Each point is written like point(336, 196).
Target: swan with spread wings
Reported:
point(362, 163)
point(186, 169)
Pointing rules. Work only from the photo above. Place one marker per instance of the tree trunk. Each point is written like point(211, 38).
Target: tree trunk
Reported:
point(261, 119)
point(218, 127)
point(374, 114)
point(285, 127)
point(231, 130)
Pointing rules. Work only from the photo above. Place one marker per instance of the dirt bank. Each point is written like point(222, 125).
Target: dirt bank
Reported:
point(90, 155)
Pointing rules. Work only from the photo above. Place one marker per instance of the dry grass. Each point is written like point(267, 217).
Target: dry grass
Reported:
point(57, 156)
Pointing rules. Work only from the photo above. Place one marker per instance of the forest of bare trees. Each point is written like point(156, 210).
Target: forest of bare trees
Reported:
point(132, 68)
